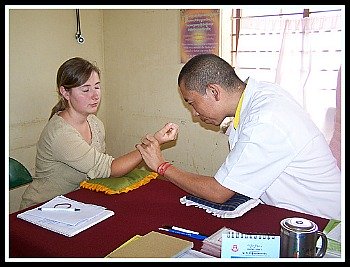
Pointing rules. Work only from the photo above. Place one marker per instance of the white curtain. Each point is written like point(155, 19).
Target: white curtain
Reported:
point(335, 143)
point(303, 55)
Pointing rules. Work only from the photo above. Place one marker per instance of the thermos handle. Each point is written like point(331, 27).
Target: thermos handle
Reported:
point(322, 250)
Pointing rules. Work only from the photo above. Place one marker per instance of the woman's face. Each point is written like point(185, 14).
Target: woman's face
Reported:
point(85, 99)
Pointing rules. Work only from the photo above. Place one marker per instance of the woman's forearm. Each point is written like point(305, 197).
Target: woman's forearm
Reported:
point(126, 163)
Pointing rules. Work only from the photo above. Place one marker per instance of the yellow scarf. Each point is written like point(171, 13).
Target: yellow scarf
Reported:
point(238, 112)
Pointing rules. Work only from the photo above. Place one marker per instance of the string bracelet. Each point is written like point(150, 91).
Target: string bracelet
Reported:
point(163, 167)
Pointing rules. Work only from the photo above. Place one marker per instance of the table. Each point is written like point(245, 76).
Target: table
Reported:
point(138, 212)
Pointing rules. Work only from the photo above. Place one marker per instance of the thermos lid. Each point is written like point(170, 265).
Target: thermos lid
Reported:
point(299, 225)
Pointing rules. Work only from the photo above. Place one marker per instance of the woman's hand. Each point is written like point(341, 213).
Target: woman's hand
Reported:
point(150, 151)
point(167, 133)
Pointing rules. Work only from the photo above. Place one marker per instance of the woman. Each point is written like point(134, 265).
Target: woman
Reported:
point(71, 147)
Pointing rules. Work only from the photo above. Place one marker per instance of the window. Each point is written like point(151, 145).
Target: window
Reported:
point(300, 49)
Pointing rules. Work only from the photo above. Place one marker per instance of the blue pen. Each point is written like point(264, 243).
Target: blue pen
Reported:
point(195, 236)
point(181, 229)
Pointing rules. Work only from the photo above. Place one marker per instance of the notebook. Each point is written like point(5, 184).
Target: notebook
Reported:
point(238, 245)
point(152, 245)
point(67, 223)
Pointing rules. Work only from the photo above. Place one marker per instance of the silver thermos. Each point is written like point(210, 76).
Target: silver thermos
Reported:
point(298, 239)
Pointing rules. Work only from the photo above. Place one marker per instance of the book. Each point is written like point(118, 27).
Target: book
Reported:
point(238, 245)
point(67, 223)
point(124, 244)
point(152, 245)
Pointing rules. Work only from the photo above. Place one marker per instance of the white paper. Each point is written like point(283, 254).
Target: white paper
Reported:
point(194, 254)
point(66, 229)
point(68, 217)
point(335, 233)
point(68, 223)
point(238, 245)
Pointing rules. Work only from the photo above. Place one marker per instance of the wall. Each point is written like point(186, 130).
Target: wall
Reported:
point(39, 41)
point(138, 52)
point(142, 66)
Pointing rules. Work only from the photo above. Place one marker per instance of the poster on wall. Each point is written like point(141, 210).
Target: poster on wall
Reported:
point(199, 31)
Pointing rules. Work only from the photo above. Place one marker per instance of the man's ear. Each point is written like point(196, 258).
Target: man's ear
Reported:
point(214, 90)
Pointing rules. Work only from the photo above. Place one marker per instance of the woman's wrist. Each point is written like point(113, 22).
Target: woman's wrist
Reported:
point(157, 136)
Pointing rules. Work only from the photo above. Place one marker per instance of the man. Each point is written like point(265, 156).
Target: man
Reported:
point(276, 153)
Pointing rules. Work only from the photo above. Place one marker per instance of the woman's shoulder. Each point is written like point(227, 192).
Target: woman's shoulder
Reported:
point(57, 126)
point(93, 118)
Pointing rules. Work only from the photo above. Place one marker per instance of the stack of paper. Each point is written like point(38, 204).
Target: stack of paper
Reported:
point(212, 244)
point(194, 254)
point(66, 222)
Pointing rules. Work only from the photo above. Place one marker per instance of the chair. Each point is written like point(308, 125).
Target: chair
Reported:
point(19, 175)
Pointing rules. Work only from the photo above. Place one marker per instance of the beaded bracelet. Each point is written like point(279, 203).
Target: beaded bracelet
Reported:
point(163, 167)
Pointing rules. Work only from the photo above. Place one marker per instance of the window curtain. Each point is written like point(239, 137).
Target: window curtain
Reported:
point(335, 143)
point(303, 55)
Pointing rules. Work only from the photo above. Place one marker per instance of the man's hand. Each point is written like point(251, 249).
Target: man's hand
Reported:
point(150, 151)
point(167, 133)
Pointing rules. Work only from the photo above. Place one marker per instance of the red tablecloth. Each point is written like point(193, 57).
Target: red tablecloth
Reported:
point(138, 212)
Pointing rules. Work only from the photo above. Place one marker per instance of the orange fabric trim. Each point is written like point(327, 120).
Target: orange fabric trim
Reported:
point(108, 191)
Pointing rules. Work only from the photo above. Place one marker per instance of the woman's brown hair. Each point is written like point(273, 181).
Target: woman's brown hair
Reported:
point(72, 73)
